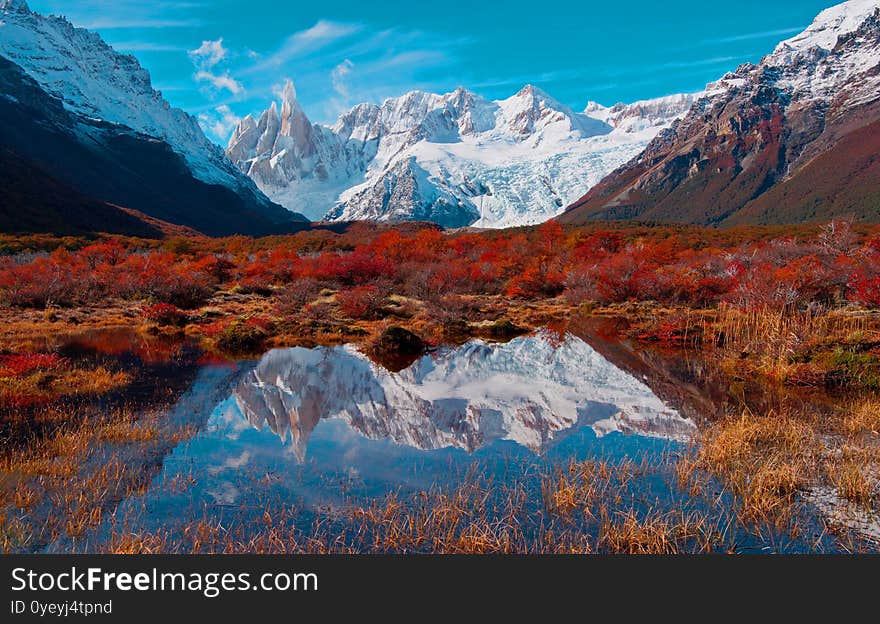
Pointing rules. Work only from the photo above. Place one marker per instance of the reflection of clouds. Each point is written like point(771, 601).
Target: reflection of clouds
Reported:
point(228, 419)
point(531, 390)
point(238, 462)
point(225, 494)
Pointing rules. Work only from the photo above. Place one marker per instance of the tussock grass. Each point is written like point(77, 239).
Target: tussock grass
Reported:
point(811, 347)
point(768, 461)
point(65, 483)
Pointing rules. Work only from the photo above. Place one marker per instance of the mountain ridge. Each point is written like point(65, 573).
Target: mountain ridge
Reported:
point(456, 158)
point(88, 117)
point(754, 148)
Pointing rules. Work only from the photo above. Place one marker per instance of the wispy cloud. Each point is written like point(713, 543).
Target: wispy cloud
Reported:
point(206, 58)
point(337, 64)
point(715, 60)
point(322, 34)
point(520, 80)
point(640, 72)
point(338, 78)
point(127, 14)
point(113, 23)
point(763, 34)
point(209, 53)
point(220, 81)
point(220, 121)
point(147, 46)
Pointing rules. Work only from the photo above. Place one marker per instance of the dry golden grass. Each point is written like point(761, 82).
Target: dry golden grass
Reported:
point(68, 382)
point(95, 381)
point(779, 343)
point(578, 489)
point(66, 482)
point(863, 418)
point(852, 482)
point(476, 517)
point(130, 544)
point(767, 461)
point(659, 533)
point(764, 460)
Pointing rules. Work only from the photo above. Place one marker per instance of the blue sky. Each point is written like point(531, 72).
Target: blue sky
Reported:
point(221, 59)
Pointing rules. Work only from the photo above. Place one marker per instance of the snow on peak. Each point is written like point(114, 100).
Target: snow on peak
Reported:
point(833, 60)
point(829, 25)
point(457, 158)
point(19, 6)
point(531, 110)
point(643, 114)
point(595, 110)
point(531, 391)
point(94, 80)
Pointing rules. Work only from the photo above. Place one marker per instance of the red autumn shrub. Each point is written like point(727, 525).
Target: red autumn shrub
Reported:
point(162, 277)
point(669, 264)
point(270, 268)
point(866, 288)
point(361, 266)
point(164, 314)
point(539, 279)
point(58, 279)
point(18, 365)
point(217, 327)
point(260, 321)
point(361, 302)
point(106, 252)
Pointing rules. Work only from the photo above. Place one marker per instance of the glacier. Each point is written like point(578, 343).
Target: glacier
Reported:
point(456, 159)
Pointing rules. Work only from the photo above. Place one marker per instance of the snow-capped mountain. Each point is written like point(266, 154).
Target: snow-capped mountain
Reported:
point(793, 138)
point(531, 390)
point(101, 88)
point(455, 159)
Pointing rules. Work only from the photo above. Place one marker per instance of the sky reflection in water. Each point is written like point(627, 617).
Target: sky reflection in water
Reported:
point(316, 427)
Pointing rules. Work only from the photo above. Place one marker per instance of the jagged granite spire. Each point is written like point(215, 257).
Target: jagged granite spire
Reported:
point(454, 158)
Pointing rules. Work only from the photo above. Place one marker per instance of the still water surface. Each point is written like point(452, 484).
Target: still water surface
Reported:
point(322, 428)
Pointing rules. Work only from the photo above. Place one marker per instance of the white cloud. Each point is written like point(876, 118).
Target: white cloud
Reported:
point(220, 81)
point(322, 34)
point(111, 23)
point(146, 46)
point(208, 54)
point(206, 59)
point(763, 34)
point(220, 122)
point(278, 87)
point(338, 77)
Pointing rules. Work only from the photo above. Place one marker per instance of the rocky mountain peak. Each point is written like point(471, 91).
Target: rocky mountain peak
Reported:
point(288, 93)
point(93, 80)
point(294, 122)
point(455, 158)
point(755, 147)
point(19, 6)
point(829, 26)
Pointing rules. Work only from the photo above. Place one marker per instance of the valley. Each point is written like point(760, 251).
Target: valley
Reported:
point(444, 321)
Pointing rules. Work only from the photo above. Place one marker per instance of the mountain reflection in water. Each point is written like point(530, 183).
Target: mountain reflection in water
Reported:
point(532, 390)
